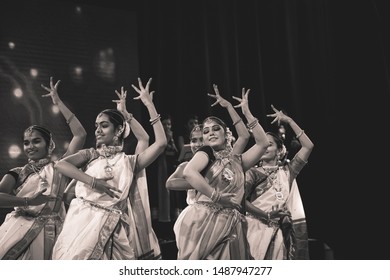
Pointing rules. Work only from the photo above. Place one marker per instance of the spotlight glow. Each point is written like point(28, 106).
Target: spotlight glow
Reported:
point(55, 109)
point(11, 45)
point(14, 151)
point(33, 72)
point(18, 93)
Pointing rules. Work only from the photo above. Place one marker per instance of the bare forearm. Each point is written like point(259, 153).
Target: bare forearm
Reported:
point(306, 144)
point(178, 184)
point(141, 135)
point(255, 211)
point(73, 172)
point(77, 129)
point(8, 200)
point(197, 181)
point(242, 131)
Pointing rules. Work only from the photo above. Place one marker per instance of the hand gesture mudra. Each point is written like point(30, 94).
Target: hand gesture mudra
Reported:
point(53, 93)
point(219, 99)
point(243, 100)
point(143, 91)
point(278, 116)
point(121, 102)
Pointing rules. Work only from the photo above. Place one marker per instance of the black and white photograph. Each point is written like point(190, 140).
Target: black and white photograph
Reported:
point(194, 130)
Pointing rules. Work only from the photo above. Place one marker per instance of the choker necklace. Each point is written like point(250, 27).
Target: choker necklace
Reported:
point(109, 151)
point(37, 167)
point(221, 154)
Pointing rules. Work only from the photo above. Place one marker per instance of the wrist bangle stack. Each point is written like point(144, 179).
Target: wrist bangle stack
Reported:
point(268, 217)
point(25, 202)
point(299, 134)
point(215, 196)
point(70, 119)
point(253, 124)
point(155, 120)
point(237, 121)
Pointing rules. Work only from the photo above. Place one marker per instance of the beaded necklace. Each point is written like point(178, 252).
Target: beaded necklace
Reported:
point(271, 172)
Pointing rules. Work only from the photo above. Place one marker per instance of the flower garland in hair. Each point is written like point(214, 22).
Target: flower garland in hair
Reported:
point(283, 151)
point(230, 139)
point(282, 155)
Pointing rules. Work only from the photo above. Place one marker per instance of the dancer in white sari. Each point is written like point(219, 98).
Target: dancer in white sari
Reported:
point(110, 216)
point(275, 214)
point(36, 190)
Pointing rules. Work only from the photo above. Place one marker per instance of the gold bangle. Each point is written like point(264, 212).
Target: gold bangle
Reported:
point(253, 124)
point(155, 120)
point(70, 119)
point(299, 134)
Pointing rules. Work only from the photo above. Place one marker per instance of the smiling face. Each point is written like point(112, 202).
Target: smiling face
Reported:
point(214, 135)
point(270, 156)
point(196, 140)
point(105, 130)
point(34, 145)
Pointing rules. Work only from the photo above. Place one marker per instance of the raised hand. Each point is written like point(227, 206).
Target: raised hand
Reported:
point(219, 99)
point(243, 100)
point(278, 116)
point(53, 93)
point(121, 102)
point(144, 95)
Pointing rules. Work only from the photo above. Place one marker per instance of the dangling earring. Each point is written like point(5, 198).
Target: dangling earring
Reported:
point(115, 139)
point(52, 146)
point(278, 161)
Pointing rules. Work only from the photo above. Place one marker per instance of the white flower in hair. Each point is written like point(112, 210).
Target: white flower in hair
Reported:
point(283, 151)
point(127, 130)
point(230, 138)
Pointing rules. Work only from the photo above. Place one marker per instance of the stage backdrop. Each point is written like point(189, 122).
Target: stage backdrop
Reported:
point(326, 63)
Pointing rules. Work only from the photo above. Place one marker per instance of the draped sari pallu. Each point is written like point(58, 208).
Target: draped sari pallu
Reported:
point(34, 224)
point(207, 230)
point(98, 226)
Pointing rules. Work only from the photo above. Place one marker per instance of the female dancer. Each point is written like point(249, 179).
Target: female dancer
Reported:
point(213, 227)
point(110, 218)
point(176, 180)
point(275, 215)
point(35, 190)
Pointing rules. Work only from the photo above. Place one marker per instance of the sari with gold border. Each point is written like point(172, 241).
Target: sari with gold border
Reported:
point(207, 230)
point(30, 232)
